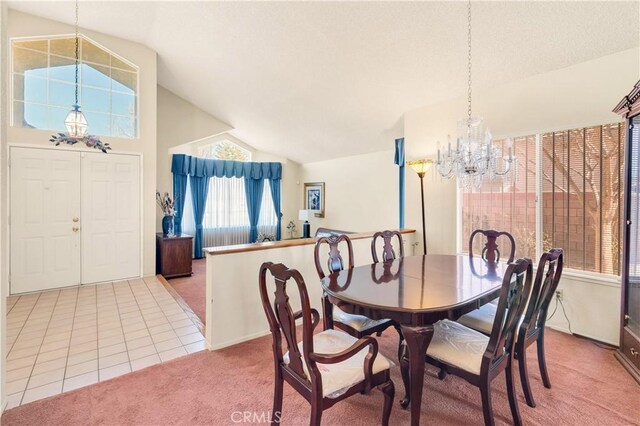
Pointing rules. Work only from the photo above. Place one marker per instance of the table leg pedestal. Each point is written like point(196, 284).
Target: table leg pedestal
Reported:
point(412, 366)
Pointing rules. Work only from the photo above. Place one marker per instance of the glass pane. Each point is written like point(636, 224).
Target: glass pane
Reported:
point(93, 53)
point(633, 285)
point(18, 87)
point(99, 124)
point(35, 89)
point(62, 69)
point(124, 81)
point(123, 127)
point(123, 104)
point(41, 45)
point(62, 94)
point(57, 117)
point(18, 114)
point(96, 75)
point(36, 116)
point(29, 60)
point(64, 47)
point(95, 100)
point(117, 63)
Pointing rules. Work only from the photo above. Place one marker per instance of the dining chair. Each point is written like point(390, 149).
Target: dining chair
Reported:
point(356, 325)
point(388, 253)
point(478, 358)
point(531, 329)
point(326, 367)
point(491, 251)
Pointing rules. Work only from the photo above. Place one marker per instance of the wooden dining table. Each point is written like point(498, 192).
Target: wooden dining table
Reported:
point(416, 292)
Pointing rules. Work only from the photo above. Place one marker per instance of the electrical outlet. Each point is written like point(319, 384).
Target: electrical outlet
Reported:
point(559, 295)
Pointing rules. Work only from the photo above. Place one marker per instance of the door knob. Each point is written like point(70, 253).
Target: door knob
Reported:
point(75, 229)
point(634, 352)
point(75, 219)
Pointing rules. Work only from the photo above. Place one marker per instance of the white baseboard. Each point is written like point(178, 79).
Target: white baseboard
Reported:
point(596, 338)
point(236, 341)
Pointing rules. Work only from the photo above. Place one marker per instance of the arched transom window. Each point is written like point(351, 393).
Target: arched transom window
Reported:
point(43, 86)
point(224, 150)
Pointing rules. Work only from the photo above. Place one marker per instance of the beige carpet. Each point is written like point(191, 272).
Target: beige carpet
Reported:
point(207, 388)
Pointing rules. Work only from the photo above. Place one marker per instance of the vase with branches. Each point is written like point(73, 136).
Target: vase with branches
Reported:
point(167, 205)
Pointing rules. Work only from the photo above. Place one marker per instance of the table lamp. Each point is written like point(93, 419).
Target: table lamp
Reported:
point(306, 226)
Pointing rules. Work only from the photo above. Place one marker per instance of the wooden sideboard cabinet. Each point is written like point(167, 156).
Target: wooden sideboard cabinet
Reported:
point(173, 255)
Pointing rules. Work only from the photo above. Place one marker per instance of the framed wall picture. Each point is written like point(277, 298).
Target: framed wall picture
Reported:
point(314, 197)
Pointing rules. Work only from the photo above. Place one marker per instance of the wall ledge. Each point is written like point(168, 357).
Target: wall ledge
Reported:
point(241, 248)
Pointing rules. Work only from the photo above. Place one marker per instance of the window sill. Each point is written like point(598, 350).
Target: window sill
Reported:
point(592, 277)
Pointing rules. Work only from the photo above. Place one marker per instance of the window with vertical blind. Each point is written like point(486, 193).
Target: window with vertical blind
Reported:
point(507, 207)
point(576, 176)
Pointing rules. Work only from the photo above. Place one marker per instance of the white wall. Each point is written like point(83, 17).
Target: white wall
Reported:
point(577, 96)
point(361, 192)
point(4, 283)
point(235, 313)
point(24, 25)
point(179, 122)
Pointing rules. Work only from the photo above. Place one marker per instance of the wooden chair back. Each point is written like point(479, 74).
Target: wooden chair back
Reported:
point(516, 287)
point(544, 288)
point(282, 319)
point(335, 261)
point(387, 248)
point(490, 251)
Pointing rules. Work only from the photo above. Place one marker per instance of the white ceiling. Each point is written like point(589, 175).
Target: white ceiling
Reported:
point(312, 81)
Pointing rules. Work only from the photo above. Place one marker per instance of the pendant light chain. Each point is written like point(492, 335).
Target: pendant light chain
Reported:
point(469, 59)
point(77, 51)
point(75, 122)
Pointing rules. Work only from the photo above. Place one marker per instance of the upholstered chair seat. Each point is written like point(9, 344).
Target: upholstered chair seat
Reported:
point(458, 345)
point(481, 319)
point(359, 323)
point(338, 378)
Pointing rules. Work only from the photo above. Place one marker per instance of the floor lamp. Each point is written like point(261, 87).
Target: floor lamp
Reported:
point(421, 167)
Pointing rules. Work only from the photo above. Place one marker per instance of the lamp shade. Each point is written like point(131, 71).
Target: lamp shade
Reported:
point(305, 215)
point(75, 123)
point(420, 166)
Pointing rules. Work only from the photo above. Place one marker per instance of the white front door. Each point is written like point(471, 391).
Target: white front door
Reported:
point(44, 218)
point(110, 217)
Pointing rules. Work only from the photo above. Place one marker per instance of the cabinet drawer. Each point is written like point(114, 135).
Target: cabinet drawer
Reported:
point(630, 346)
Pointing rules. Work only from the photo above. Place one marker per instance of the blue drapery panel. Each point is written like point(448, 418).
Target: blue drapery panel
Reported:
point(200, 167)
point(274, 184)
point(199, 189)
point(400, 161)
point(253, 189)
point(179, 195)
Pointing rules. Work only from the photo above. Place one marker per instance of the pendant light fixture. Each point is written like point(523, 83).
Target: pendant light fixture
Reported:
point(75, 122)
point(474, 159)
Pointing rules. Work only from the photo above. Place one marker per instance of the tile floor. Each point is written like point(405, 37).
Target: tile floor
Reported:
point(65, 339)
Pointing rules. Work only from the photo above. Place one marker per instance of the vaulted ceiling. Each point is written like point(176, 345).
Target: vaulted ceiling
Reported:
point(317, 80)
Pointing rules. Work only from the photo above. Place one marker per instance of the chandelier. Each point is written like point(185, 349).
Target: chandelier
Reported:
point(75, 123)
point(475, 159)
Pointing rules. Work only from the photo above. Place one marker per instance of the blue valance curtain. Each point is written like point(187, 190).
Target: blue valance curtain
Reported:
point(183, 164)
point(400, 161)
point(199, 170)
